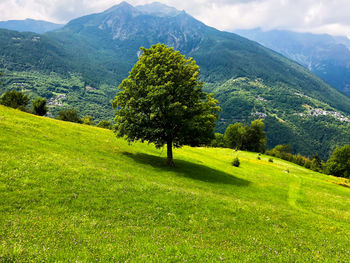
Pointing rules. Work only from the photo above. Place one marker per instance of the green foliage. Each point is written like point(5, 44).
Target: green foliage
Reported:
point(14, 99)
point(218, 141)
point(70, 115)
point(283, 148)
point(316, 163)
point(339, 162)
point(87, 120)
point(236, 162)
point(162, 102)
point(243, 137)
point(246, 78)
point(63, 91)
point(270, 160)
point(77, 193)
point(235, 136)
point(39, 106)
point(284, 152)
point(288, 113)
point(105, 125)
point(256, 137)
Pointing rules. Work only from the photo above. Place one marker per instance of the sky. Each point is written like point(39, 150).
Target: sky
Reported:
point(316, 16)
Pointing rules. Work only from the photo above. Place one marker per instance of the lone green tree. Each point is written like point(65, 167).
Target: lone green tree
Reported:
point(39, 106)
point(162, 102)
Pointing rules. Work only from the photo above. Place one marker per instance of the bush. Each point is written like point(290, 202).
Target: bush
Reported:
point(39, 106)
point(87, 120)
point(236, 162)
point(69, 115)
point(14, 99)
point(270, 160)
point(105, 125)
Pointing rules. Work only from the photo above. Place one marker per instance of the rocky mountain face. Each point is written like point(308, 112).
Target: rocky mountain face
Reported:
point(325, 55)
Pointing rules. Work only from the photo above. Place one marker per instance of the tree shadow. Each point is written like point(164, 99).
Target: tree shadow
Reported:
point(188, 169)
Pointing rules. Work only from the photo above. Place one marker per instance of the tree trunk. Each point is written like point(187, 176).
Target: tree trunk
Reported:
point(170, 161)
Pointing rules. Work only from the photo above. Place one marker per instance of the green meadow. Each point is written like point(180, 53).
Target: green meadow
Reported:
point(75, 193)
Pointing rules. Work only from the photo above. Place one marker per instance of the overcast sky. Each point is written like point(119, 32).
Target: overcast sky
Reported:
point(318, 16)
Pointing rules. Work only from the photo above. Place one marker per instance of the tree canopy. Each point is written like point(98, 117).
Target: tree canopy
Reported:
point(243, 137)
point(162, 102)
point(14, 99)
point(39, 106)
point(339, 162)
point(69, 115)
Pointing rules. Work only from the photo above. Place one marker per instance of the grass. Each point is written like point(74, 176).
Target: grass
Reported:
point(75, 193)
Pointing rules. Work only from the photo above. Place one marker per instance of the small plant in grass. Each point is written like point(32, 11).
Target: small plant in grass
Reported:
point(259, 158)
point(236, 162)
point(270, 160)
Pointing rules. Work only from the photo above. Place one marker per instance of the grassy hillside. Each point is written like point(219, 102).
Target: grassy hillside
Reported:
point(71, 192)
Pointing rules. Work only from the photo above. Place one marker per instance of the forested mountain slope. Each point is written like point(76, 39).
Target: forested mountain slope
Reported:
point(100, 49)
point(327, 56)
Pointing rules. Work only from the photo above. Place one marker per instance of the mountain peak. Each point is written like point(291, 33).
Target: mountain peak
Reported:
point(123, 6)
point(158, 9)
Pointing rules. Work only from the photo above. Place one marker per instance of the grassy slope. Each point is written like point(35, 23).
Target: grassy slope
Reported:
point(70, 192)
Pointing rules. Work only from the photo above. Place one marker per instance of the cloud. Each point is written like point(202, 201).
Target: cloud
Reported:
point(320, 16)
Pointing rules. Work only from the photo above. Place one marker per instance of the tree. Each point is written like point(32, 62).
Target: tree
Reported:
point(235, 136)
point(39, 106)
point(316, 163)
point(256, 137)
point(162, 102)
point(339, 162)
point(14, 99)
point(69, 115)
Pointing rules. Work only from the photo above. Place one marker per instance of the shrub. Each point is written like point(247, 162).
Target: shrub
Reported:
point(105, 125)
point(236, 162)
point(270, 160)
point(87, 120)
point(69, 115)
point(14, 99)
point(39, 106)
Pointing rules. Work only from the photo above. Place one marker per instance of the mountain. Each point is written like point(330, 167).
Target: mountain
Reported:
point(76, 192)
point(249, 80)
point(327, 56)
point(29, 25)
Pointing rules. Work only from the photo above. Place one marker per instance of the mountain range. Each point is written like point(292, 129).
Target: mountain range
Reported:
point(29, 25)
point(81, 64)
point(325, 55)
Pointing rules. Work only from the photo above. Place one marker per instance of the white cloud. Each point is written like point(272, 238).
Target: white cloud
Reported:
point(320, 16)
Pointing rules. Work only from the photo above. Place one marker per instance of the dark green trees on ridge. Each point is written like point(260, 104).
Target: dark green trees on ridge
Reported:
point(14, 99)
point(162, 102)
